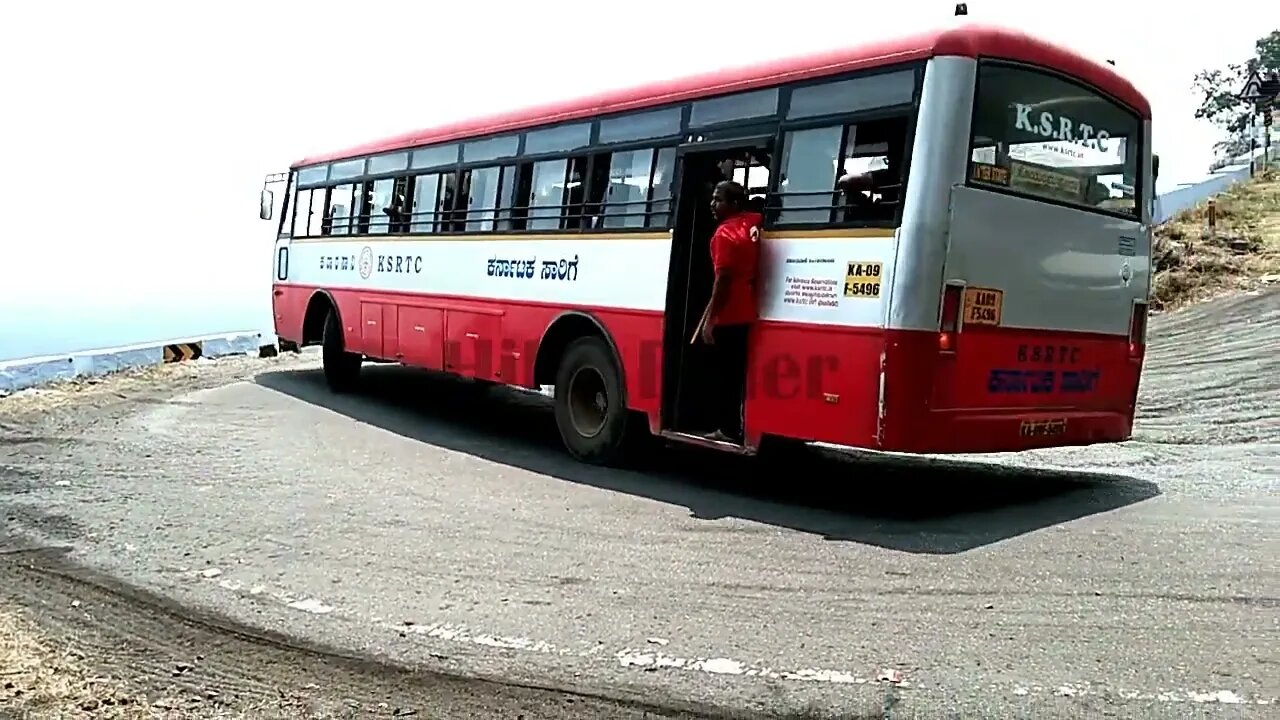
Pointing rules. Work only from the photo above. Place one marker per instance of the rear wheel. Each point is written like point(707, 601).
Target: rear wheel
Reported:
point(591, 412)
point(341, 368)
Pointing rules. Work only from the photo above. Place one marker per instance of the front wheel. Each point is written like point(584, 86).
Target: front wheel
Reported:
point(591, 412)
point(341, 368)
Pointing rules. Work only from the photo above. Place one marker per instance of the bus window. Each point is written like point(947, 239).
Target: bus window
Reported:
point(316, 223)
point(374, 215)
point(743, 106)
point(641, 126)
point(341, 200)
point(508, 185)
point(630, 173)
point(1042, 136)
point(843, 173)
point(664, 170)
point(547, 194)
point(846, 96)
point(426, 202)
point(302, 212)
point(482, 200)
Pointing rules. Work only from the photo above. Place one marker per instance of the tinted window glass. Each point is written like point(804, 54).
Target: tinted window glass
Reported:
point(641, 126)
point(559, 139)
point(388, 163)
point(491, 149)
point(864, 93)
point(346, 170)
point(313, 175)
point(435, 157)
point(758, 104)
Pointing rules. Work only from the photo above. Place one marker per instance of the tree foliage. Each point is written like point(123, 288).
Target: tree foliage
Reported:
point(1219, 90)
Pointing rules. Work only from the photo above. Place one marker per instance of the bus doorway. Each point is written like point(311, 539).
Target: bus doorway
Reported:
point(689, 402)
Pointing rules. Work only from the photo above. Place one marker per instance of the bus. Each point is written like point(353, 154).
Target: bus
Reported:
point(955, 256)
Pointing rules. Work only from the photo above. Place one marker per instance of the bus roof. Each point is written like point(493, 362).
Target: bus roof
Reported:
point(966, 41)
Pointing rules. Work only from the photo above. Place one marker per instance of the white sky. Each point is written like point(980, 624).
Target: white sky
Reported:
point(138, 132)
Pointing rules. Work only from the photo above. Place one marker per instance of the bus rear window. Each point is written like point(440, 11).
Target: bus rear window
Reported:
point(1038, 135)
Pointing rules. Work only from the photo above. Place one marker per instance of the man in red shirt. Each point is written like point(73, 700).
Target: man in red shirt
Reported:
point(726, 323)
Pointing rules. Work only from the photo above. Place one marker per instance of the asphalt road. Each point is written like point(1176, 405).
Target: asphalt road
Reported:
point(423, 523)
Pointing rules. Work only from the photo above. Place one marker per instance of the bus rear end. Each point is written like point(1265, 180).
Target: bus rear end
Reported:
point(1042, 306)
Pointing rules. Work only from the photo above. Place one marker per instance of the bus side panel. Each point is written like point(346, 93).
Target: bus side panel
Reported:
point(815, 382)
point(482, 308)
point(814, 369)
point(507, 357)
point(289, 307)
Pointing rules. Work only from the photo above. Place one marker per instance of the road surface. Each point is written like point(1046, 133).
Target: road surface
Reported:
point(421, 524)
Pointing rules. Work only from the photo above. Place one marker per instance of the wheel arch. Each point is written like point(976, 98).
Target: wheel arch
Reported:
point(318, 308)
point(560, 333)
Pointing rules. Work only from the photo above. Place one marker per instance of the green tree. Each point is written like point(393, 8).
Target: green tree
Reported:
point(1219, 90)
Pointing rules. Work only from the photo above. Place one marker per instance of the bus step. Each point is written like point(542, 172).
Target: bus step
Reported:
point(691, 439)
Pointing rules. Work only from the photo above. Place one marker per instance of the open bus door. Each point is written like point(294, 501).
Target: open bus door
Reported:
point(688, 404)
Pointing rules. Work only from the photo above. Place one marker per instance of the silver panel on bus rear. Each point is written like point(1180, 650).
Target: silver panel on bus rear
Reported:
point(939, 157)
point(1060, 268)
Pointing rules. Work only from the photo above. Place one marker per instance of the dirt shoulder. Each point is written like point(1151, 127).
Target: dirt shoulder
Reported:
point(77, 644)
point(1241, 252)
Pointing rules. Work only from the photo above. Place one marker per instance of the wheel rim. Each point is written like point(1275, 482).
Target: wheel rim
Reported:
point(588, 402)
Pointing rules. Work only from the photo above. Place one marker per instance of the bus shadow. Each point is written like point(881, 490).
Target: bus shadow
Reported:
point(916, 505)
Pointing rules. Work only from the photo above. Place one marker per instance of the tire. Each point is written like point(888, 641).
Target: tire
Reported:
point(341, 368)
point(588, 371)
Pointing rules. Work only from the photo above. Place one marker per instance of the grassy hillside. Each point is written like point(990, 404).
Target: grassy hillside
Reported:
point(1241, 253)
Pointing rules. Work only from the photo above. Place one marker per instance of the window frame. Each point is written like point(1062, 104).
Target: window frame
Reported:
point(1139, 185)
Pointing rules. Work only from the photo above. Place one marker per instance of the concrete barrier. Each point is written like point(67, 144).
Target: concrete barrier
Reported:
point(1192, 194)
point(21, 374)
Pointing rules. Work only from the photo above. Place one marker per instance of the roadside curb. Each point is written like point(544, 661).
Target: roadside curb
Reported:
point(27, 373)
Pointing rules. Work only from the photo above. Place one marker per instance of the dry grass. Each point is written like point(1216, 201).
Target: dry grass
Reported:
point(1193, 263)
point(41, 679)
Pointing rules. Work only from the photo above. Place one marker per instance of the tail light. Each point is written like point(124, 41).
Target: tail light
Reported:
point(949, 321)
point(1138, 330)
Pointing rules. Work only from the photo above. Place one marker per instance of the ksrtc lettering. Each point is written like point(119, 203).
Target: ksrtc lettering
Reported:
point(1049, 354)
point(400, 264)
point(1046, 124)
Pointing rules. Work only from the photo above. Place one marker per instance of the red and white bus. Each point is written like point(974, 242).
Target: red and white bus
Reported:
point(955, 255)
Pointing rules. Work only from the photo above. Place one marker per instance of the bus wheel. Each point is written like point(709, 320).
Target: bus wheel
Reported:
point(341, 368)
point(590, 411)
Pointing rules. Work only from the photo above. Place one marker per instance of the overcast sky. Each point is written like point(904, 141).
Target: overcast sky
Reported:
point(137, 133)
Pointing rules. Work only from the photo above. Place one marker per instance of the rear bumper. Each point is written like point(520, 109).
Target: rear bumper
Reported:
point(973, 431)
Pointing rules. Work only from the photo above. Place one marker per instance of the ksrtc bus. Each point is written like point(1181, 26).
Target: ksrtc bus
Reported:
point(955, 255)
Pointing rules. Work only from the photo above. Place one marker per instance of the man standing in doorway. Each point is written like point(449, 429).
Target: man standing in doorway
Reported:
point(732, 309)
